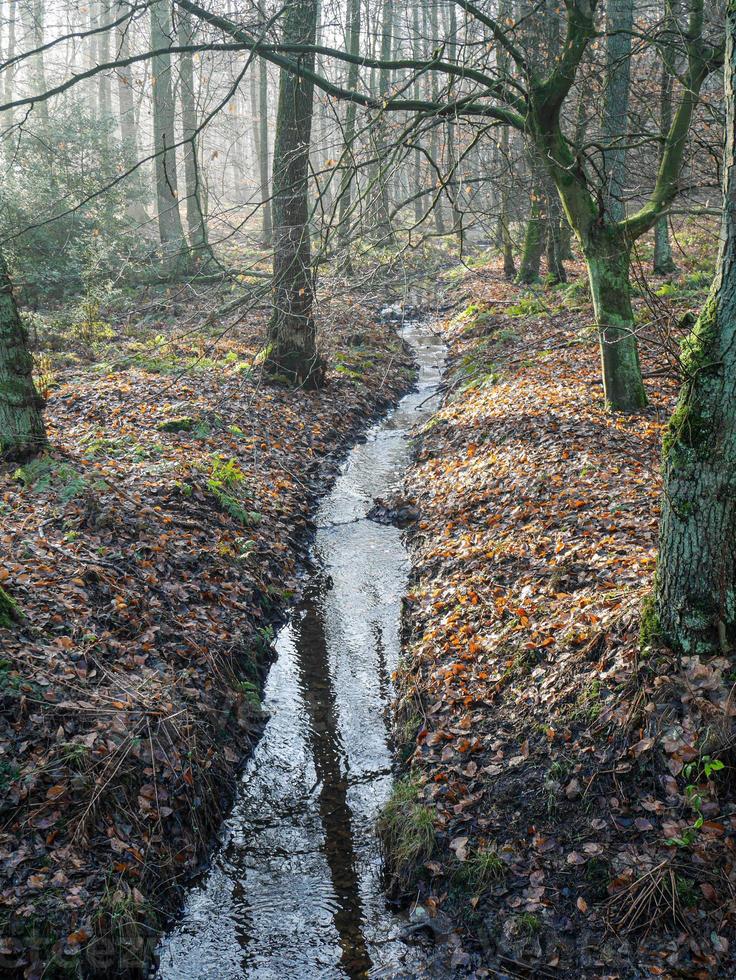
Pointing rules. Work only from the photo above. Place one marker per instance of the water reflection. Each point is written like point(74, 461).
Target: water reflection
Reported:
point(294, 891)
point(330, 763)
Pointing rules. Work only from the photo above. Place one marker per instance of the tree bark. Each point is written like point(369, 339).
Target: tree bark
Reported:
point(103, 53)
point(696, 574)
point(22, 432)
point(9, 89)
point(352, 32)
point(556, 247)
point(619, 21)
point(385, 231)
point(663, 263)
point(292, 351)
point(196, 223)
point(608, 261)
point(536, 226)
point(171, 230)
point(263, 158)
point(33, 14)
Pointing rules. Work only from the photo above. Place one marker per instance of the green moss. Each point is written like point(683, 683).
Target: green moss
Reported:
point(699, 347)
point(9, 611)
point(183, 424)
point(250, 692)
point(689, 427)
point(47, 475)
point(530, 305)
point(649, 630)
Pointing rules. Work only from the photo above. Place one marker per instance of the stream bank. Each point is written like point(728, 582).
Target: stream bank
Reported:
point(567, 807)
point(150, 555)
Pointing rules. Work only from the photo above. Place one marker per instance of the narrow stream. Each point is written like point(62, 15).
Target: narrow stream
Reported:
point(294, 890)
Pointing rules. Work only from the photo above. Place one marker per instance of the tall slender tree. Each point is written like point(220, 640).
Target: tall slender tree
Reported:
point(103, 53)
point(619, 22)
point(33, 14)
point(263, 152)
point(171, 230)
point(352, 34)
point(292, 334)
point(663, 263)
point(196, 223)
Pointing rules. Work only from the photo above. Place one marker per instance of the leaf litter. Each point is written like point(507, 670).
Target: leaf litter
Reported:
point(150, 555)
point(598, 772)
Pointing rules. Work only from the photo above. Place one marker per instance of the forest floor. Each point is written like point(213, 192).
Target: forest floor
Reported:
point(569, 803)
point(150, 554)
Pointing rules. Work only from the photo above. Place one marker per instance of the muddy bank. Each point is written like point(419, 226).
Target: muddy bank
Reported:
point(567, 807)
point(150, 556)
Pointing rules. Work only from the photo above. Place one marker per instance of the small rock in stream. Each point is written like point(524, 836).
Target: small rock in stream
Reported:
point(396, 511)
point(438, 926)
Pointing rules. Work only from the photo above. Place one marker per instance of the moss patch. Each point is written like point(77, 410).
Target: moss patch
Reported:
point(9, 611)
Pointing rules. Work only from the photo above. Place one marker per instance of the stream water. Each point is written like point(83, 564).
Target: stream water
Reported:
point(294, 890)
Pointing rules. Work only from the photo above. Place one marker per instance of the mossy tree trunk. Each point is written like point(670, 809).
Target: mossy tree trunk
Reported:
point(663, 264)
point(292, 332)
point(599, 234)
point(557, 247)
point(22, 432)
point(607, 258)
point(696, 574)
point(534, 238)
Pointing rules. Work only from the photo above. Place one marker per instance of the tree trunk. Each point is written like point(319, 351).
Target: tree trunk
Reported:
point(696, 574)
point(533, 248)
point(417, 54)
point(607, 257)
point(126, 107)
point(103, 53)
point(555, 245)
point(292, 334)
point(22, 432)
point(454, 184)
point(9, 90)
point(619, 21)
point(352, 33)
point(263, 151)
point(126, 111)
point(199, 244)
point(663, 263)
point(385, 232)
point(507, 245)
point(171, 230)
point(33, 15)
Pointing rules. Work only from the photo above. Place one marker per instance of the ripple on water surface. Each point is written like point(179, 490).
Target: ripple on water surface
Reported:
point(294, 890)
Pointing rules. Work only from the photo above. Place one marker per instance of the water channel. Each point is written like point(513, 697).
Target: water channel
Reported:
point(294, 889)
